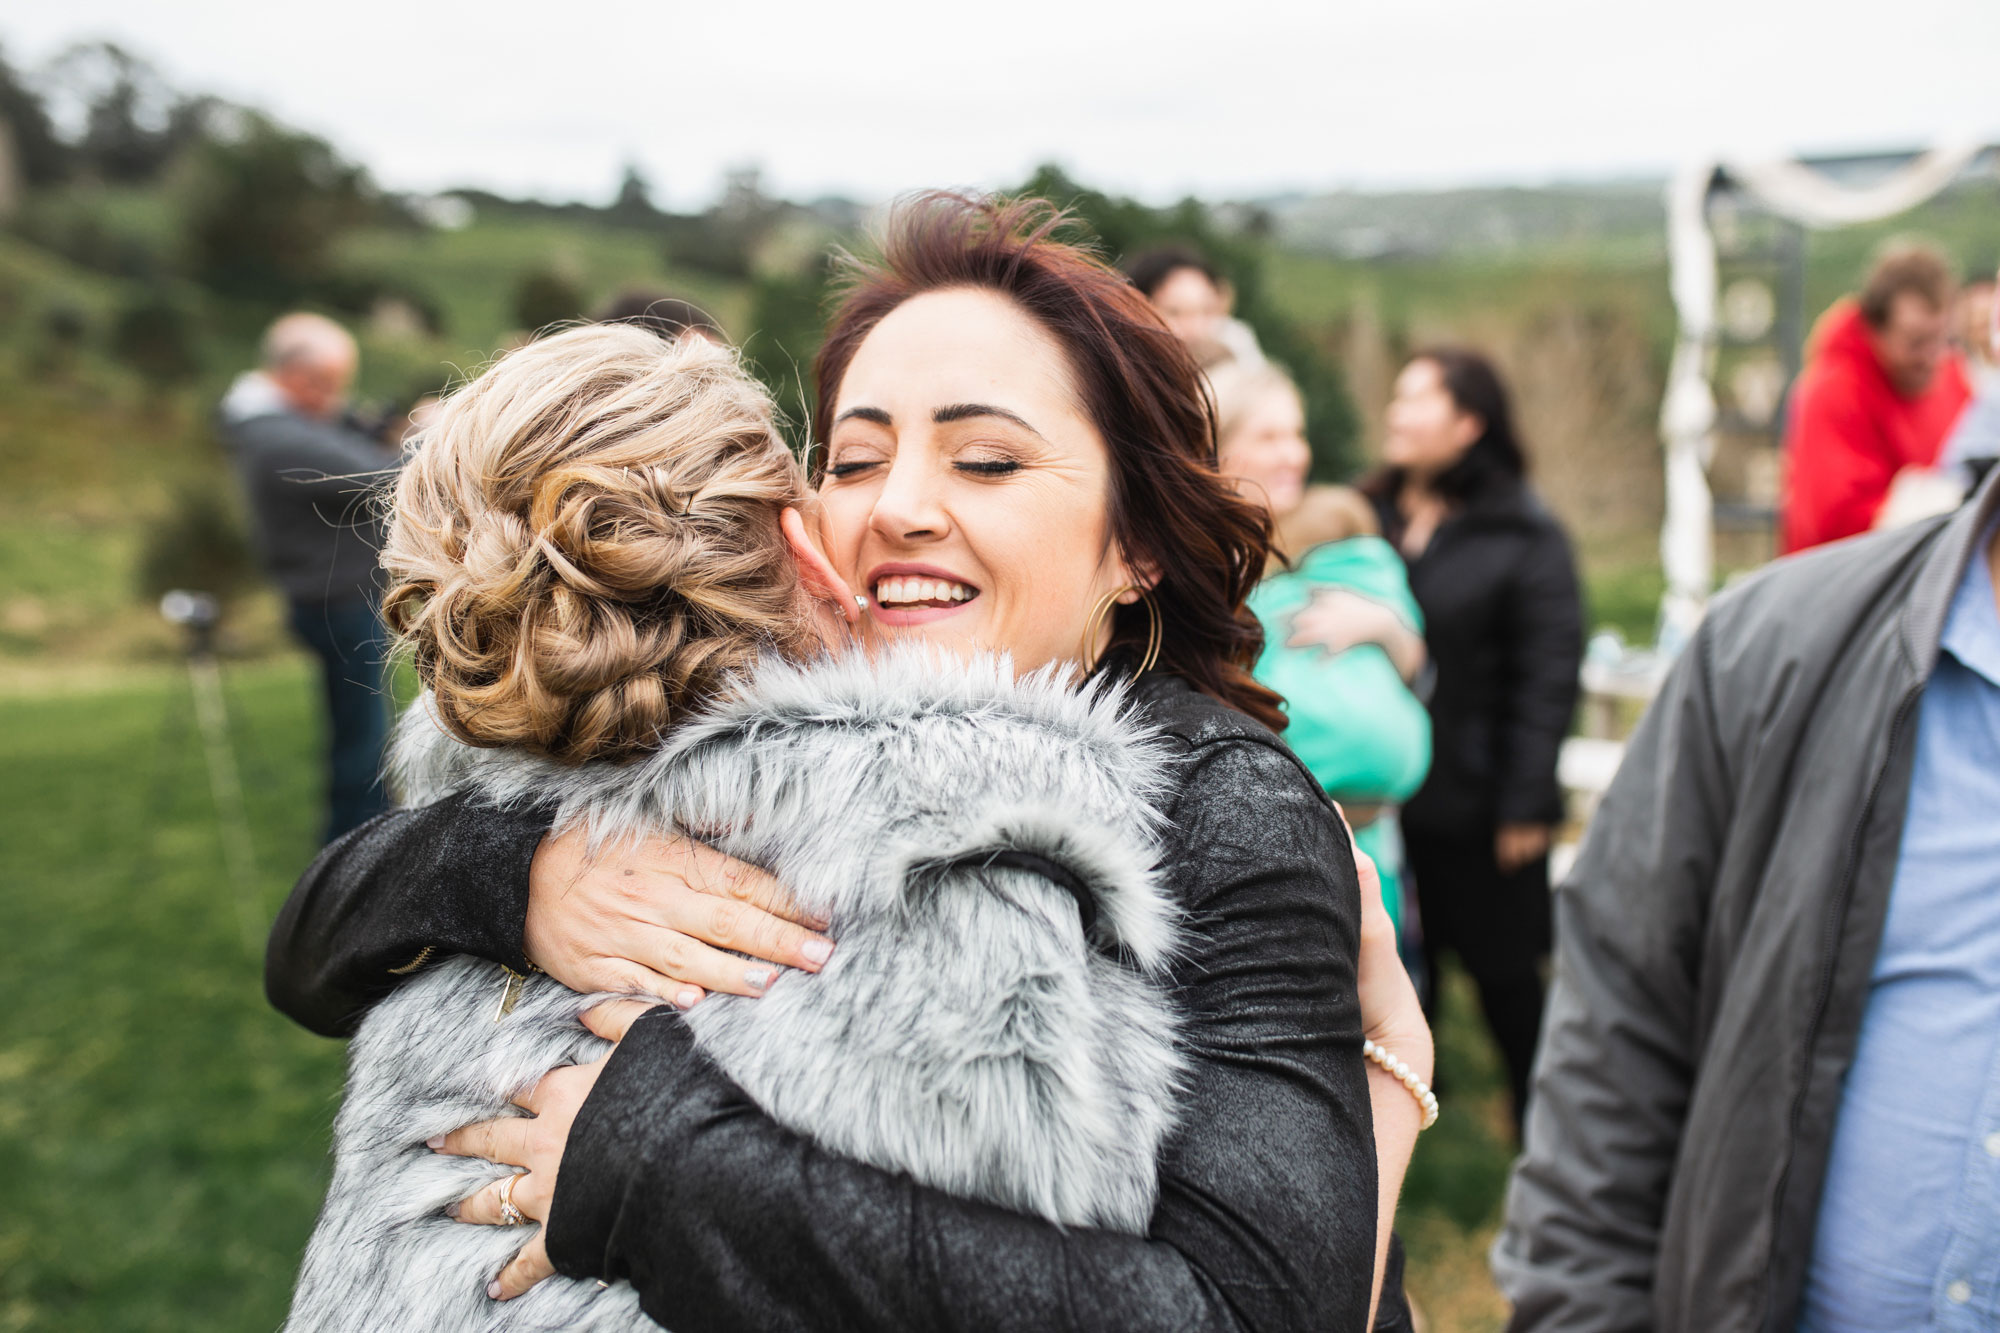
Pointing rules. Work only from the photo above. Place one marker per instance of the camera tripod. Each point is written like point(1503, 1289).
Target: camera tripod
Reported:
point(197, 613)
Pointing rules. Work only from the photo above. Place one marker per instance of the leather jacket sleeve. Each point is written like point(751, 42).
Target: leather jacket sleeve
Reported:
point(1543, 651)
point(408, 886)
point(724, 1219)
point(1584, 1210)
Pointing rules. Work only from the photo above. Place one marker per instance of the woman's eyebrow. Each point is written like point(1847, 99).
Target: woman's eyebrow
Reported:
point(874, 414)
point(964, 411)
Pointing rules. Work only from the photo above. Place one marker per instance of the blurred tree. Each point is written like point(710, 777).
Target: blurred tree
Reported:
point(634, 205)
point(706, 244)
point(1126, 227)
point(160, 337)
point(265, 206)
point(43, 158)
point(546, 297)
point(787, 324)
point(198, 542)
point(128, 122)
point(64, 327)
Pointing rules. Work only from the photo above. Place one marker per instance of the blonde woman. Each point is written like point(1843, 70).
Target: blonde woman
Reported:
point(1343, 638)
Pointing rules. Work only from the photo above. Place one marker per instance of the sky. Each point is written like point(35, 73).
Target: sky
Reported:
point(1159, 100)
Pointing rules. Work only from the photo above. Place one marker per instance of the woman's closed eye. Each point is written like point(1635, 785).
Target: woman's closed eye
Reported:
point(851, 467)
point(994, 467)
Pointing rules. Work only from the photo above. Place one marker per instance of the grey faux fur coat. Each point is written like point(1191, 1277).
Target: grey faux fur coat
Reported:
point(993, 1022)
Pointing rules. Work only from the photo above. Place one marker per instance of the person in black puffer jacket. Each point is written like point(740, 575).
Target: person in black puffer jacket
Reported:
point(1493, 572)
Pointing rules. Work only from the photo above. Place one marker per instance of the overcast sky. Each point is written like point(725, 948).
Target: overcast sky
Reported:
point(1222, 99)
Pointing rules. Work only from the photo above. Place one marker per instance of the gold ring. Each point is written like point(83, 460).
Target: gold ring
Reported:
point(510, 1216)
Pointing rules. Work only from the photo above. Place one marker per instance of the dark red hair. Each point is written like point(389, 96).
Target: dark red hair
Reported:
point(1171, 511)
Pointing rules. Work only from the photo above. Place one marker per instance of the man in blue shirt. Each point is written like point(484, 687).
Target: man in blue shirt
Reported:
point(1769, 1090)
point(1909, 1222)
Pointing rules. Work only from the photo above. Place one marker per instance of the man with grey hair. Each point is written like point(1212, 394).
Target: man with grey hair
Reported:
point(311, 478)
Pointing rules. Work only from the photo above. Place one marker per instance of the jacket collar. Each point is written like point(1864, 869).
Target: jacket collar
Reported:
point(1943, 566)
point(1507, 501)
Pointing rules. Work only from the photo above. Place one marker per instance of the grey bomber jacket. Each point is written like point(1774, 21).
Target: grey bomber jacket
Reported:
point(1714, 945)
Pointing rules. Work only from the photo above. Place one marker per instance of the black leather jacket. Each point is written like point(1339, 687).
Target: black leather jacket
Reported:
point(723, 1219)
point(1503, 620)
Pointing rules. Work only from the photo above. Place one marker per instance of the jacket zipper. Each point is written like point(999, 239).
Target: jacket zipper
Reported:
point(1836, 915)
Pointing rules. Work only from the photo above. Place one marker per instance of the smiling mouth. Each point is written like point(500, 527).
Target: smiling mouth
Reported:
point(904, 592)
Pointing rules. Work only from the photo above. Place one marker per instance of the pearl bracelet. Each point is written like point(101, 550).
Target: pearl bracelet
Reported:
point(1406, 1076)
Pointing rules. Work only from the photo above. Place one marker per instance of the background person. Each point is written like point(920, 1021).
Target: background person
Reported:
point(666, 315)
point(1880, 392)
point(312, 478)
point(1972, 317)
point(1503, 619)
point(1195, 300)
point(1343, 636)
point(1975, 441)
point(1767, 1097)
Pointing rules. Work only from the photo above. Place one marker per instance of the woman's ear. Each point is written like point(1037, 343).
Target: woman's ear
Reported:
point(815, 571)
point(1143, 573)
point(1467, 430)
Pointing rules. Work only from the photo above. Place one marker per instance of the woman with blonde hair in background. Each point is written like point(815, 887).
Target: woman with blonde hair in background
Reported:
point(1018, 460)
point(1343, 638)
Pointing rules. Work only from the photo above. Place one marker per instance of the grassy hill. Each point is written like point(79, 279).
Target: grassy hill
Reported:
point(94, 459)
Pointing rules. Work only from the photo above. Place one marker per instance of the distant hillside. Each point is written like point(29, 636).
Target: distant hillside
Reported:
point(1623, 215)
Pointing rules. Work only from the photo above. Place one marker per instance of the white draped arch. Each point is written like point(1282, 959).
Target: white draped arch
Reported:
point(1803, 192)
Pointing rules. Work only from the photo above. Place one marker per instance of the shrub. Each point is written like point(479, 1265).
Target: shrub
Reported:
point(545, 297)
point(198, 543)
point(159, 337)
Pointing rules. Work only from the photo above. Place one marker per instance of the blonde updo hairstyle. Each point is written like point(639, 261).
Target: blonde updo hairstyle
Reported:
point(585, 544)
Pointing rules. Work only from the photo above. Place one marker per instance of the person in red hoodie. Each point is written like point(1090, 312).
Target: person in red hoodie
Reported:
point(1880, 394)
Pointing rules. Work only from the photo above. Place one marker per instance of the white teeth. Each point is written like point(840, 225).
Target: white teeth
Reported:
point(907, 591)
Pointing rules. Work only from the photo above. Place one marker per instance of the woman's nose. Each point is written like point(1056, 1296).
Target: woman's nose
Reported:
point(909, 507)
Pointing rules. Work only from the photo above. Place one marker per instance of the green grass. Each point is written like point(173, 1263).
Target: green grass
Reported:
point(163, 1133)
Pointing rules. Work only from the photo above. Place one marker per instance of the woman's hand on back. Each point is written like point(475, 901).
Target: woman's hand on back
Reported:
point(535, 1143)
point(665, 917)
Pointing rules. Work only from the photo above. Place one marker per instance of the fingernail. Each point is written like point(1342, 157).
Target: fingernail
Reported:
point(493, 1289)
point(758, 978)
point(435, 1143)
point(451, 1210)
point(817, 951)
point(686, 999)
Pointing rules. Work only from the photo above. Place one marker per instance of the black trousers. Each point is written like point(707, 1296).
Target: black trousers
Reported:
point(1500, 927)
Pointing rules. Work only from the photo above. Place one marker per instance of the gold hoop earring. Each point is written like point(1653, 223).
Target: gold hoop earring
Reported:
point(1104, 607)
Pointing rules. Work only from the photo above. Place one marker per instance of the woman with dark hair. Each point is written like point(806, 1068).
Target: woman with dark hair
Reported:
point(1195, 300)
point(1493, 572)
point(1019, 459)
